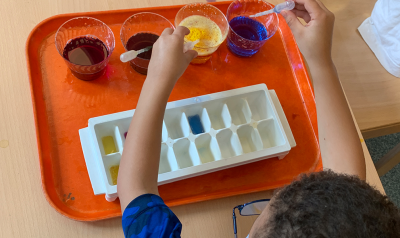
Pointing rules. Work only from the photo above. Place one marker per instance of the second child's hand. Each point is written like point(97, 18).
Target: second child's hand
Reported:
point(340, 145)
point(315, 38)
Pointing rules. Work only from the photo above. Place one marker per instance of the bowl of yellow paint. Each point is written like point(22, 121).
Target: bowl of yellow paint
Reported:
point(206, 24)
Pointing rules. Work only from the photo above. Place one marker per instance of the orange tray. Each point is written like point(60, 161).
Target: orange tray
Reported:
point(63, 104)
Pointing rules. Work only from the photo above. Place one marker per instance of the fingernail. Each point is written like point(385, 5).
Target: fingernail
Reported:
point(284, 13)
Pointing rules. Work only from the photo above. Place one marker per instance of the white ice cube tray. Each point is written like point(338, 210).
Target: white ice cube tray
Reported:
point(240, 126)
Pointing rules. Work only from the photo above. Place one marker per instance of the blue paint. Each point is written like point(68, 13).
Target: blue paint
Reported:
point(249, 29)
point(195, 124)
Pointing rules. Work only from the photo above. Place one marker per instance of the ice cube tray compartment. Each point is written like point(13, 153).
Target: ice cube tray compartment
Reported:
point(220, 117)
point(239, 110)
point(110, 161)
point(249, 139)
point(164, 135)
point(168, 161)
point(108, 130)
point(204, 132)
point(270, 134)
point(198, 118)
point(186, 153)
point(176, 123)
point(207, 148)
point(229, 144)
point(259, 106)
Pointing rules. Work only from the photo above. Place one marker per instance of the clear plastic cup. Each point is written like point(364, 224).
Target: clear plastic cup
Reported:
point(247, 35)
point(79, 34)
point(144, 28)
point(213, 14)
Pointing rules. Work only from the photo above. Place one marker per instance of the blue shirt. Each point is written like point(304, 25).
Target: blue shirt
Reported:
point(148, 216)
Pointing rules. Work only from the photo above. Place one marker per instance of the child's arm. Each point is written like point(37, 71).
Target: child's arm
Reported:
point(138, 169)
point(340, 145)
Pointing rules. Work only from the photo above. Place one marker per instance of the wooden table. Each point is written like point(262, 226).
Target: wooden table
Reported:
point(24, 210)
point(373, 93)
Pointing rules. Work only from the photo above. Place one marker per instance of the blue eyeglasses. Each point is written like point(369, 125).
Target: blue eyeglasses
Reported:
point(249, 209)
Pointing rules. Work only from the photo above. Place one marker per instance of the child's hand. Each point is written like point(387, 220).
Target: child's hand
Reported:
point(167, 59)
point(315, 38)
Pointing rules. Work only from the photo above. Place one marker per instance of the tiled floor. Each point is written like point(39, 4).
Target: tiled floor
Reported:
point(378, 147)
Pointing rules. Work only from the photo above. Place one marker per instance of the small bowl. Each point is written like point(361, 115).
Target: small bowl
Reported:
point(210, 12)
point(147, 24)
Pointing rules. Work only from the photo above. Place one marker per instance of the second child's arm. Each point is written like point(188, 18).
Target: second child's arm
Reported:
point(340, 145)
point(138, 171)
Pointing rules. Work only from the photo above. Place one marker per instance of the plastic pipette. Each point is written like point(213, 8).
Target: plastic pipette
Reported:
point(287, 5)
point(132, 54)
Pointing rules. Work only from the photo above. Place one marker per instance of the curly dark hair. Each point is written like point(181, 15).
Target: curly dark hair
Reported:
point(327, 204)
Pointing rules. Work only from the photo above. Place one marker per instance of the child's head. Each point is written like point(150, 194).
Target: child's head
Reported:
point(327, 204)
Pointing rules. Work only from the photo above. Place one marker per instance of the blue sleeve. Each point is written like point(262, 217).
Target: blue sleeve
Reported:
point(148, 216)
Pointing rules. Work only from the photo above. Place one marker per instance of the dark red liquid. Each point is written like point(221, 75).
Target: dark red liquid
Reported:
point(86, 51)
point(137, 42)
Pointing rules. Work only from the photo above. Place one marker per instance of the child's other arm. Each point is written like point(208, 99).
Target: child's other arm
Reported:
point(340, 145)
point(138, 169)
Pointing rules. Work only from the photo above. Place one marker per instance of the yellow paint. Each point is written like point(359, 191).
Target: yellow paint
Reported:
point(195, 34)
point(362, 140)
point(205, 30)
point(3, 143)
point(109, 145)
point(114, 174)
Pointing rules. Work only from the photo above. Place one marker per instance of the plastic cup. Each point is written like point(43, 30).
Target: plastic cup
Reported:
point(242, 41)
point(86, 28)
point(212, 13)
point(144, 22)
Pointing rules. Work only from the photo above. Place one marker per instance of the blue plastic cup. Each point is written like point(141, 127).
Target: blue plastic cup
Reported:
point(247, 34)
